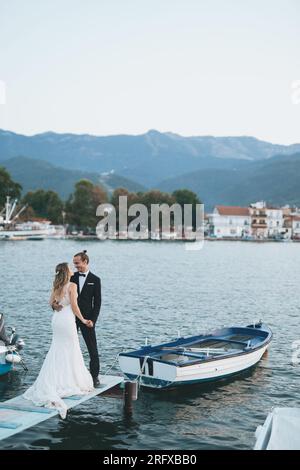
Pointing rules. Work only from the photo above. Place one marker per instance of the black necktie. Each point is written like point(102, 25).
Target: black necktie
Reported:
point(81, 274)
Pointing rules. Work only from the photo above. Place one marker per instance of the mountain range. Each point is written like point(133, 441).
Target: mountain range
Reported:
point(34, 174)
point(276, 180)
point(227, 170)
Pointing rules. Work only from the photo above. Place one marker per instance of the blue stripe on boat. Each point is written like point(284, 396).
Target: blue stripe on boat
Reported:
point(5, 368)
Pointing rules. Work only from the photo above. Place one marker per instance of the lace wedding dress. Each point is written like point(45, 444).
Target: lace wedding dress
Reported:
point(63, 372)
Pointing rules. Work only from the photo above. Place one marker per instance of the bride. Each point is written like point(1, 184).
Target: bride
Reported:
point(63, 372)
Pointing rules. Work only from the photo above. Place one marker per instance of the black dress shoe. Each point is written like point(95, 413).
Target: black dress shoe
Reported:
point(96, 383)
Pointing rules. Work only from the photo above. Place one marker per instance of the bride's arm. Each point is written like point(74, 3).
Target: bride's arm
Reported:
point(54, 304)
point(74, 304)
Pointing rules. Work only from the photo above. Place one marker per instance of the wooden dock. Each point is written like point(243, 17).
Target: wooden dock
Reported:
point(19, 414)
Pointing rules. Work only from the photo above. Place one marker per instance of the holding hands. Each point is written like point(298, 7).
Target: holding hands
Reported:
point(57, 307)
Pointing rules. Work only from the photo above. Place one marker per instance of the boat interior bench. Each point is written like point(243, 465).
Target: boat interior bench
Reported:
point(177, 356)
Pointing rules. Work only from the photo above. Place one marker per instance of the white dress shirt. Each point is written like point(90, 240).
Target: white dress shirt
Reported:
point(82, 280)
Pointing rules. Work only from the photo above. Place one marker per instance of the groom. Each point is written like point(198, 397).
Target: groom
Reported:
point(89, 302)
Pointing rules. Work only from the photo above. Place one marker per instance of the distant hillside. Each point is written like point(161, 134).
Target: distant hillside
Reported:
point(276, 180)
point(111, 181)
point(34, 174)
point(146, 158)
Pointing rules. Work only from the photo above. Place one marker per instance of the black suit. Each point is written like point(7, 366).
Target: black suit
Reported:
point(89, 302)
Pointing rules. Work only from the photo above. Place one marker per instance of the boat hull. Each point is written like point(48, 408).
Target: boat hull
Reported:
point(219, 369)
point(280, 431)
point(186, 361)
point(23, 234)
point(5, 367)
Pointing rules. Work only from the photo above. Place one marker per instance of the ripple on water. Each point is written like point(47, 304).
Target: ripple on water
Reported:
point(154, 290)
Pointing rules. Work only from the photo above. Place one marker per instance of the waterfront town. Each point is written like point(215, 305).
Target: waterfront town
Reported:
point(42, 213)
point(258, 221)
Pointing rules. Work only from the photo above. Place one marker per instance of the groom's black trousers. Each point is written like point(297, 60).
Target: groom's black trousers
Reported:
point(89, 336)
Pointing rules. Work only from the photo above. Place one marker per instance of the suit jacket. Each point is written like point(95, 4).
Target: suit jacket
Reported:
point(89, 299)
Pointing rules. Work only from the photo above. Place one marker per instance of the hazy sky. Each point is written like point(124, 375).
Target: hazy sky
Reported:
point(194, 67)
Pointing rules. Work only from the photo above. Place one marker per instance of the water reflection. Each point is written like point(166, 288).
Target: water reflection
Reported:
point(154, 290)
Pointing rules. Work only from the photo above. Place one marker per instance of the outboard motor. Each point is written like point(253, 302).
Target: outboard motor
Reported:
point(13, 344)
point(15, 340)
point(3, 336)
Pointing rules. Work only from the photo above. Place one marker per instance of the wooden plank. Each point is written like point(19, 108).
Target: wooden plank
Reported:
point(9, 425)
point(34, 409)
point(16, 414)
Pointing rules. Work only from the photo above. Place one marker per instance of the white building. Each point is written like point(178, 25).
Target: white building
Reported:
point(296, 226)
point(275, 221)
point(230, 221)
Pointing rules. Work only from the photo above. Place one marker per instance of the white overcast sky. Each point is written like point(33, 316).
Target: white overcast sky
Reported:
point(194, 67)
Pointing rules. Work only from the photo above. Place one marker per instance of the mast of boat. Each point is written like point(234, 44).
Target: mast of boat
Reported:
point(9, 210)
point(20, 212)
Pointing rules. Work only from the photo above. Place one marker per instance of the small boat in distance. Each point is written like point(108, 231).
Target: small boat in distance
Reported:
point(202, 358)
point(10, 230)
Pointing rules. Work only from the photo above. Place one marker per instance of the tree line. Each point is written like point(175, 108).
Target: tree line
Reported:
point(79, 210)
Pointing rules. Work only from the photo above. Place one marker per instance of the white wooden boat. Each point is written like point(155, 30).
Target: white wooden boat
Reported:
point(11, 231)
point(195, 359)
point(280, 431)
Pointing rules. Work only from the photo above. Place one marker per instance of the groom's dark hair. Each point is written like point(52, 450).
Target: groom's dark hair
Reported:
point(83, 256)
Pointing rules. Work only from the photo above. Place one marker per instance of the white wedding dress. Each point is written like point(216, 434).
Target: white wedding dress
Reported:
point(63, 372)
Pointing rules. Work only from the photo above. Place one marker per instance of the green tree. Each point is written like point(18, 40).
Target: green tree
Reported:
point(181, 196)
point(185, 196)
point(8, 187)
point(114, 200)
point(82, 205)
point(132, 198)
point(156, 197)
point(46, 204)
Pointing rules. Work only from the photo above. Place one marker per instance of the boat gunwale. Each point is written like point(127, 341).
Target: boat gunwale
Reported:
point(250, 350)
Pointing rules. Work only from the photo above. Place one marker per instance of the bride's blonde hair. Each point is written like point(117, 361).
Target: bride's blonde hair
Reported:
point(62, 277)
